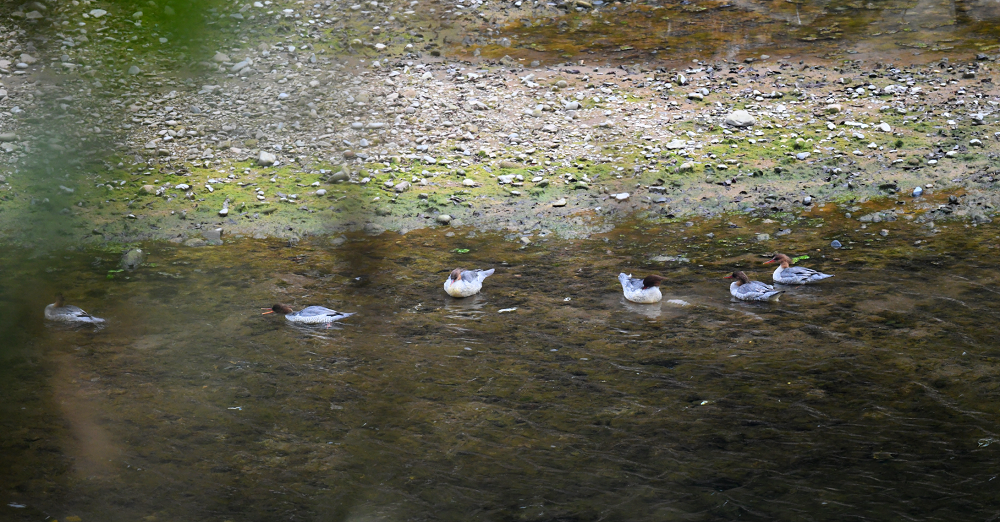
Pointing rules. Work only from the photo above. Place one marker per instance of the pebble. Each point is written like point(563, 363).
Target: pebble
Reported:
point(321, 192)
point(802, 155)
point(835, 244)
point(917, 192)
point(561, 202)
point(266, 159)
point(444, 219)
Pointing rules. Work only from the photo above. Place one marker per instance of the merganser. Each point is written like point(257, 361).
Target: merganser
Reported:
point(463, 283)
point(643, 291)
point(746, 290)
point(794, 275)
point(58, 311)
point(308, 315)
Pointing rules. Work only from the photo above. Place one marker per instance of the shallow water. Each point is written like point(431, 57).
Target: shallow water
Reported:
point(871, 396)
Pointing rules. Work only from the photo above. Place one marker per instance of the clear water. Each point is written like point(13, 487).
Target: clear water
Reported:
point(872, 396)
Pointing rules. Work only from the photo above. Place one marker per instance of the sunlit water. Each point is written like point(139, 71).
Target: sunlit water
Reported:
point(871, 396)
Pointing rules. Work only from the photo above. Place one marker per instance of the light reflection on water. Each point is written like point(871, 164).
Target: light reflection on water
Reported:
point(864, 396)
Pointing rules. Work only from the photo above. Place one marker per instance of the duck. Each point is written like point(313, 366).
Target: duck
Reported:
point(463, 283)
point(308, 315)
point(746, 290)
point(60, 311)
point(794, 275)
point(644, 291)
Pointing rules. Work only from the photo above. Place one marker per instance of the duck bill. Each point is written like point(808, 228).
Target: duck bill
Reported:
point(268, 312)
point(769, 262)
point(728, 277)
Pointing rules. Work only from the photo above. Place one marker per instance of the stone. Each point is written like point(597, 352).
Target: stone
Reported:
point(807, 200)
point(131, 259)
point(97, 13)
point(8, 137)
point(917, 192)
point(561, 202)
point(835, 244)
point(802, 156)
point(676, 144)
point(266, 159)
point(444, 219)
point(696, 96)
point(621, 196)
point(401, 187)
point(321, 192)
point(762, 237)
point(739, 119)
point(373, 229)
point(133, 70)
point(147, 189)
point(884, 127)
point(212, 234)
point(833, 108)
point(221, 57)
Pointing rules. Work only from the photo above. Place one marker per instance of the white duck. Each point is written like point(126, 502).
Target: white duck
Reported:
point(794, 275)
point(463, 283)
point(643, 291)
point(308, 315)
point(59, 311)
point(746, 290)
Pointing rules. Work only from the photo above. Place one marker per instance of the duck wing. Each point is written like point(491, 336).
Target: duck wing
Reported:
point(78, 314)
point(322, 311)
point(630, 283)
point(805, 274)
point(754, 288)
point(472, 276)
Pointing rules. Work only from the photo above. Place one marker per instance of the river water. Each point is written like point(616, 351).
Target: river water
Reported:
point(870, 396)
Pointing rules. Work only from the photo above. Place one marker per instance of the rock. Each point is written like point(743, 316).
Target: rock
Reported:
point(266, 159)
point(884, 127)
point(148, 189)
point(974, 142)
point(224, 212)
point(468, 182)
point(133, 70)
point(221, 57)
point(8, 137)
point(321, 192)
point(97, 13)
point(917, 192)
point(696, 96)
point(339, 176)
point(195, 242)
point(739, 119)
point(212, 235)
point(373, 229)
point(762, 237)
point(883, 232)
point(833, 108)
point(802, 155)
point(561, 202)
point(807, 200)
point(676, 144)
point(402, 186)
point(444, 219)
point(622, 196)
point(131, 259)
point(687, 166)
point(835, 244)
point(183, 186)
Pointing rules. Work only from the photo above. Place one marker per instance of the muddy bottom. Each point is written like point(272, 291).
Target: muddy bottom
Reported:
point(872, 395)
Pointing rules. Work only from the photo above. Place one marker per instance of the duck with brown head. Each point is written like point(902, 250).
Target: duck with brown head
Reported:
point(794, 275)
point(644, 291)
point(746, 290)
point(463, 283)
point(60, 311)
point(308, 315)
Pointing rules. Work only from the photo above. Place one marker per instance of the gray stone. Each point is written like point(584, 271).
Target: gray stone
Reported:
point(321, 192)
point(561, 202)
point(132, 259)
point(212, 234)
point(802, 155)
point(133, 70)
point(402, 186)
point(444, 219)
point(221, 57)
point(266, 159)
point(739, 119)
point(373, 229)
point(835, 244)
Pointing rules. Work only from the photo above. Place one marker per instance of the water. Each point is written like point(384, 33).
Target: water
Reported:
point(871, 396)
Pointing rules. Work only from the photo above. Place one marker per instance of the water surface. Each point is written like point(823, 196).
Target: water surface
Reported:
point(872, 396)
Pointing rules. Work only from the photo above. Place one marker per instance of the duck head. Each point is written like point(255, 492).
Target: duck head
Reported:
point(651, 281)
point(780, 258)
point(740, 277)
point(60, 301)
point(278, 309)
point(455, 274)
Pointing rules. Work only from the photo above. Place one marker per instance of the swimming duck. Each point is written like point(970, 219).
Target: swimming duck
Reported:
point(794, 275)
point(746, 290)
point(643, 291)
point(308, 315)
point(59, 311)
point(463, 283)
